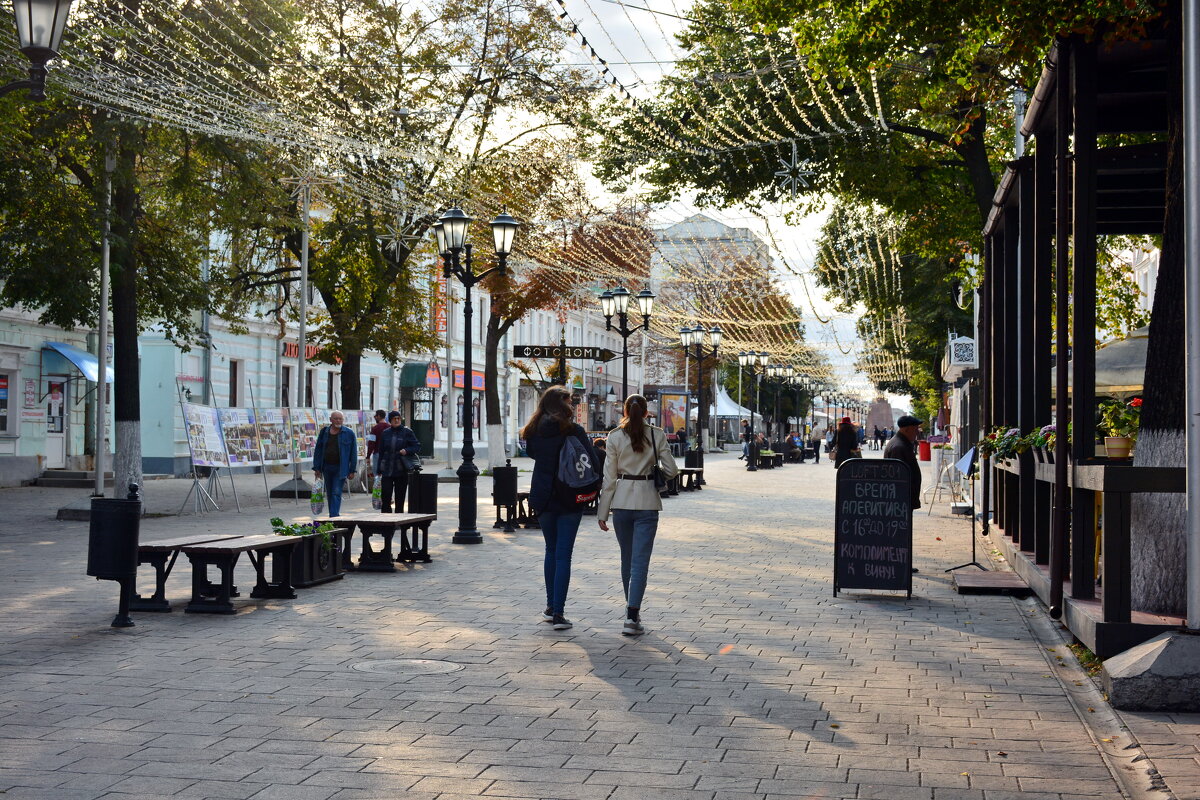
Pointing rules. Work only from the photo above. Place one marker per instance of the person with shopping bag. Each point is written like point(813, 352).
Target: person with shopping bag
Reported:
point(397, 448)
point(636, 451)
point(335, 459)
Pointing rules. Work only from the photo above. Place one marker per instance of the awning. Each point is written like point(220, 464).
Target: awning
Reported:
point(418, 374)
point(86, 363)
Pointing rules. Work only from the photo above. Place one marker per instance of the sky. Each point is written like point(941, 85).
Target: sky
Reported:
point(635, 39)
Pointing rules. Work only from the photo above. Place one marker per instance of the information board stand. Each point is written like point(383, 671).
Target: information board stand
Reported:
point(872, 535)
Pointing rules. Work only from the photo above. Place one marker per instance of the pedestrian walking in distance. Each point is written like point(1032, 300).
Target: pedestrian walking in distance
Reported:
point(335, 458)
point(630, 495)
point(545, 436)
point(845, 442)
point(394, 449)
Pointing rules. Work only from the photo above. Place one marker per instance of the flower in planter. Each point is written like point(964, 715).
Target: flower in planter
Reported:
point(304, 529)
point(1119, 418)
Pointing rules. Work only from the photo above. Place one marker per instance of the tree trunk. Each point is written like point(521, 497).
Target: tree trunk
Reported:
point(496, 328)
point(351, 381)
point(127, 401)
point(1158, 552)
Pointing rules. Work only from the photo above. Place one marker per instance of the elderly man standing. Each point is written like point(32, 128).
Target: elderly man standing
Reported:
point(903, 447)
point(335, 459)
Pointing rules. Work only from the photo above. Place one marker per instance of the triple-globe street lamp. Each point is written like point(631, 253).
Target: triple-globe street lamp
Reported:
point(780, 374)
point(697, 337)
point(615, 302)
point(756, 363)
point(455, 250)
point(40, 27)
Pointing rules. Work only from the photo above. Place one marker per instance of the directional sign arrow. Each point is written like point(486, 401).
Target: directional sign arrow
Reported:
point(556, 351)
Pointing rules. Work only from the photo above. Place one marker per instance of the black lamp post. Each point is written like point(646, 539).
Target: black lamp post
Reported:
point(451, 232)
point(40, 26)
point(696, 338)
point(616, 301)
point(756, 363)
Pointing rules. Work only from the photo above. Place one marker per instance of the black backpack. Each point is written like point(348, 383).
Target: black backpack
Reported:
point(576, 478)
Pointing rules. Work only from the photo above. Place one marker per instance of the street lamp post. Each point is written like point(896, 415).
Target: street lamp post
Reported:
point(451, 232)
point(40, 27)
point(697, 337)
point(756, 363)
point(616, 301)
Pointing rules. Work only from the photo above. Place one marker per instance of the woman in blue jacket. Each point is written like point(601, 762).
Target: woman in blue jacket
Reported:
point(544, 434)
point(335, 459)
point(393, 445)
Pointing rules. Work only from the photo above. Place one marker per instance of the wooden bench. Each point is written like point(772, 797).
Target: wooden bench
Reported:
point(690, 478)
point(766, 459)
point(163, 554)
point(672, 487)
point(210, 598)
point(525, 516)
point(412, 549)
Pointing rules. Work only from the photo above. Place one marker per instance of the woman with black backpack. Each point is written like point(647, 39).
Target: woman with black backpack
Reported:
point(635, 452)
point(558, 504)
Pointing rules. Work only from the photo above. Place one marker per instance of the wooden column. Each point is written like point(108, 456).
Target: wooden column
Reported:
point(1083, 329)
point(1043, 331)
point(1062, 243)
point(1026, 364)
point(1011, 354)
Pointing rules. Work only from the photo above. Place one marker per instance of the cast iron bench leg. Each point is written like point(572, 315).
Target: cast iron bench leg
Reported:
point(162, 569)
point(283, 589)
point(221, 604)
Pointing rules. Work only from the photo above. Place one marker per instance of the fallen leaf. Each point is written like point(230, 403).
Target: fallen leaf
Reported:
point(1002, 754)
point(1091, 710)
point(964, 773)
point(835, 725)
point(1106, 740)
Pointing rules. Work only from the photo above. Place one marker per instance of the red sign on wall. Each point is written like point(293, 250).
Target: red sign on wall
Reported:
point(433, 375)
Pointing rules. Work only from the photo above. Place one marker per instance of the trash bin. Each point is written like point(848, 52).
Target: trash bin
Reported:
point(113, 546)
point(504, 496)
point(924, 453)
point(422, 493)
point(691, 459)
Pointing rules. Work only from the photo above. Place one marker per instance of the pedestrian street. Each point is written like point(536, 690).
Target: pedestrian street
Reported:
point(441, 681)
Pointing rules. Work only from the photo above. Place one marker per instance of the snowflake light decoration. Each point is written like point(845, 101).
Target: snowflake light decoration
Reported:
point(792, 173)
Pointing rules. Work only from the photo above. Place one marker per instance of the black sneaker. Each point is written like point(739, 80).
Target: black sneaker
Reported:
point(561, 623)
point(547, 615)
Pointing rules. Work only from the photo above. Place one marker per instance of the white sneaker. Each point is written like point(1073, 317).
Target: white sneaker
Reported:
point(547, 615)
point(632, 627)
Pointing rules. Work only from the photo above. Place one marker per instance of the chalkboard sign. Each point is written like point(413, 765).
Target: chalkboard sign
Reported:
point(873, 526)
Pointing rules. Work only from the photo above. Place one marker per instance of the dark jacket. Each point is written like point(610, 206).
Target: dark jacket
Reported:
point(902, 449)
point(347, 450)
point(845, 443)
point(389, 444)
point(543, 448)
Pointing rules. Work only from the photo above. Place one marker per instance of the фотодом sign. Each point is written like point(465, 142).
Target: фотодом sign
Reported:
point(873, 526)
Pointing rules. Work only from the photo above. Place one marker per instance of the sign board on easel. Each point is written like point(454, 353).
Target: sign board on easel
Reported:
point(872, 535)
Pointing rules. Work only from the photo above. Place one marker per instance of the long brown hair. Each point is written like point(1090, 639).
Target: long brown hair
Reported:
point(554, 404)
point(634, 421)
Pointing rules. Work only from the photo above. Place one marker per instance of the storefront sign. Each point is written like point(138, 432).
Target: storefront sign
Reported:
point(439, 305)
point(433, 376)
point(292, 349)
point(31, 398)
point(476, 380)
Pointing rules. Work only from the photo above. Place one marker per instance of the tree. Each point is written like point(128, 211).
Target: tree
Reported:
point(166, 186)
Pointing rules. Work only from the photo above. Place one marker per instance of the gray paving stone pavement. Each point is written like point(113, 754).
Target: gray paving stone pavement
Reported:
point(752, 682)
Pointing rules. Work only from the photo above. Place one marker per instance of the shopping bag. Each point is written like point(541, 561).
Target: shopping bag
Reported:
point(316, 498)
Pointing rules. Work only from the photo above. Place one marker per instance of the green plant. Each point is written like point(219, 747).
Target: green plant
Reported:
point(1118, 418)
point(316, 497)
point(304, 529)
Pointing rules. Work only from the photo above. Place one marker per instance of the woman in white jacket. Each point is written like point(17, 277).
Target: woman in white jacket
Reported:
point(629, 493)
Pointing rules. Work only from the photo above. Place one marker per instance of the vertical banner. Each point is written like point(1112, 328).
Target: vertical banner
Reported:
point(274, 435)
point(304, 433)
point(672, 411)
point(241, 436)
point(204, 436)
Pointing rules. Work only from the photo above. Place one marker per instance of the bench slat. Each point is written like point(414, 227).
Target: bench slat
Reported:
point(240, 544)
point(163, 545)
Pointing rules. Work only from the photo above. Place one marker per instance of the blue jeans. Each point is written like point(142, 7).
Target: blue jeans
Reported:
point(635, 532)
point(333, 491)
point(558, 529)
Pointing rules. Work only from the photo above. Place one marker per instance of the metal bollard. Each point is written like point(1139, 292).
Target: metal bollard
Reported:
point(113, 546)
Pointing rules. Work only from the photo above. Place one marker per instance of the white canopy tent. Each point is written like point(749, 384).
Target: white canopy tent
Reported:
point(725, 409)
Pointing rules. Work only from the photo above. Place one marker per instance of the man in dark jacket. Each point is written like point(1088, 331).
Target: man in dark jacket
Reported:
point(903, 447)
